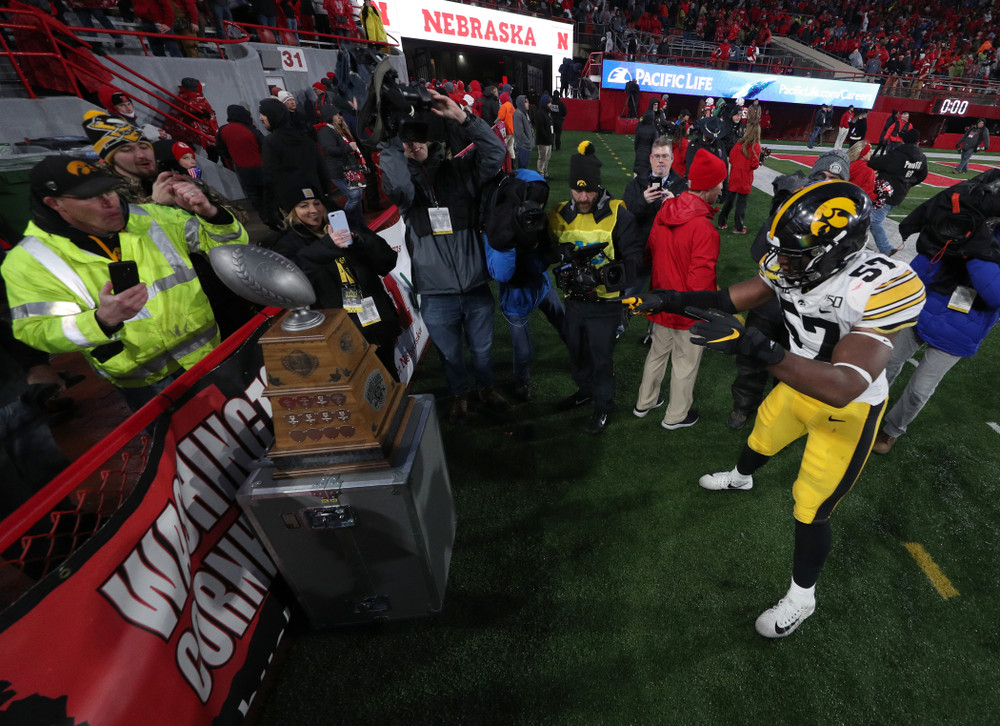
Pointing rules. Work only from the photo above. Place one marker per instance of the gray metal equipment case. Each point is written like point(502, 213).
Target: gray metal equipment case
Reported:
point(363, 546)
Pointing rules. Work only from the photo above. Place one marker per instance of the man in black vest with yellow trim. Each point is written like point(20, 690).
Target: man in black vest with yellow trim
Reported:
point(592, 217)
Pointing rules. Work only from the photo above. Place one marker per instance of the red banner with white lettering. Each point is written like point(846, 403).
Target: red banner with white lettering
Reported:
point(165, 615)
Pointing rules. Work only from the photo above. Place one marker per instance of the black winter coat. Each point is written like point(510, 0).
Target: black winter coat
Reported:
point(645, 134)
point(903, 167)
point(289, 159)
point(336, 153)
point(368, 259)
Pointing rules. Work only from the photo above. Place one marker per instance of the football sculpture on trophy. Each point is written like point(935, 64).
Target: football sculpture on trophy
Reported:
point(333, 402)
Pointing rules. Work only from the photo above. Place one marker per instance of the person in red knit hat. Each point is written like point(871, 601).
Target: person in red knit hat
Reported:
point(860, 173)
point(684, 245)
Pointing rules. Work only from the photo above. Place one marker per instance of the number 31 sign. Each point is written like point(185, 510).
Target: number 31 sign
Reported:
point(292, 58)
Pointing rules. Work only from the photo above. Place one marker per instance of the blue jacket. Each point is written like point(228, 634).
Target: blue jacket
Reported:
point(949, 330)
point(521, 275)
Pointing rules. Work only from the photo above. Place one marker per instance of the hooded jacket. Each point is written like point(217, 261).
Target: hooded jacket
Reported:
point(684, 247)
point(287, 157)
point(452, 263)
point(741, 168)
point(521, 272)
point(543, 122)
point(974, 138)
point(506, 113)
point(489, 108)
point(201, 119)
point(336, 152)
point(240, 140)
point(903, 167)
point(523, 136)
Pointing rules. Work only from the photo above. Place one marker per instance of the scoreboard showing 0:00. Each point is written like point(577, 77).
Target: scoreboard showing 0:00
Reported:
point(950, 106)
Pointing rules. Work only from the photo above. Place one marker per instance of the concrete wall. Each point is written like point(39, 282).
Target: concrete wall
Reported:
point(242, 79)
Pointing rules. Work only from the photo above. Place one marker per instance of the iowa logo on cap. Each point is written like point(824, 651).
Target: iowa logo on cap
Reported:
point(832, 216)
point(581, 183)
point(79, 168)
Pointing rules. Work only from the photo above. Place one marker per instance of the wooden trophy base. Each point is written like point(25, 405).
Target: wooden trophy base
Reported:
point(334, 404)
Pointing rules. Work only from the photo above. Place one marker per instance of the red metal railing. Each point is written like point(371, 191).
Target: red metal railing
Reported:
point(292, 36)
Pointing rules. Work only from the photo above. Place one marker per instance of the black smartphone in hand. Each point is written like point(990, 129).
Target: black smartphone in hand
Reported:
point(124, 274)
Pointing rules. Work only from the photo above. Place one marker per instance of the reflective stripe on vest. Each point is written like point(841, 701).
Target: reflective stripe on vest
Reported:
point(155, 365)
point(45, 308)
point(68, 277)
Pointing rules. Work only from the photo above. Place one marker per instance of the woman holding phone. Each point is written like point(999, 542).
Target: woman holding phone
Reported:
point(344, 262)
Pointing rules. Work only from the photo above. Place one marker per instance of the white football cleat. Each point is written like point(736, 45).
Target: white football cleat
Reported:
point(784, 618)
point(726, 480)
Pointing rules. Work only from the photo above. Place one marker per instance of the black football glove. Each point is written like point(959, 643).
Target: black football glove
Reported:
point(724, 332)
point(655, 301)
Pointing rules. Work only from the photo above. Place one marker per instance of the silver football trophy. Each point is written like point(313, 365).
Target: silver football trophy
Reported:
point(264, 277)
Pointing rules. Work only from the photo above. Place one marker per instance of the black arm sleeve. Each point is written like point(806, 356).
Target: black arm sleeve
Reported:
point(707, 299)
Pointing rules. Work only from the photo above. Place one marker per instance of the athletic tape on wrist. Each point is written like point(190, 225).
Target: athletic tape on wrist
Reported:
point(861, 371)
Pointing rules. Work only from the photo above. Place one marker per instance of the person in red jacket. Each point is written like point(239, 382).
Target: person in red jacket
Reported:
point(846, 119)
point(239, 143)
point(721, 55)
point(157, 16)
point(684, 247)
point(341, 16)
point(860, 173)
point(743, 159)
point(895, 136)
point(199, 124)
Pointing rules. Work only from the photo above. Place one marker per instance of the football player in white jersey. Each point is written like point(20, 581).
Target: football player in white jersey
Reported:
point(842, 305)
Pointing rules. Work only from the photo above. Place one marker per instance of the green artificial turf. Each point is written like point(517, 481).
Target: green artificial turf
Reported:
point(594, 582)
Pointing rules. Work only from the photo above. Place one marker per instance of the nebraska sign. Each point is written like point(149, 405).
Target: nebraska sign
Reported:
point(448, 22)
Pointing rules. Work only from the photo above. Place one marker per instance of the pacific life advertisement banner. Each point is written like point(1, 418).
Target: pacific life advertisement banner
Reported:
point(685, 80)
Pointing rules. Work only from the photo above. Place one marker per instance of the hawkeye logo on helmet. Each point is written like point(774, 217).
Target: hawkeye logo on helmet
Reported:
point(832, 216)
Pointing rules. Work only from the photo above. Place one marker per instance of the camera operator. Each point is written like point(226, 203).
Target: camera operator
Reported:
point(438, 198)
point(593, 217)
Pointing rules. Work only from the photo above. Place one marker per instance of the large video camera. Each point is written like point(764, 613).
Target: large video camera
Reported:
point(393, 109)
point(578, 276)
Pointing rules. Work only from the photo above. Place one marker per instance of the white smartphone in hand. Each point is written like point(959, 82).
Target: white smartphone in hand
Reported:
point(338, 221)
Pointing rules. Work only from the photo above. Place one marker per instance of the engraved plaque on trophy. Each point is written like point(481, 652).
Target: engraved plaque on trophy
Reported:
point(332, 400)
point(334, 405)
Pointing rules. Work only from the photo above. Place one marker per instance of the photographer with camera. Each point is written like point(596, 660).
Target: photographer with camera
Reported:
point(684, 245)
point(601, 254)
point(518, 254)
point(439, 199)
